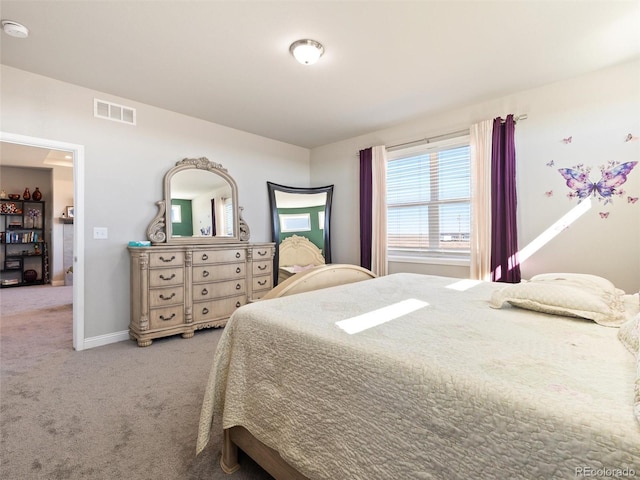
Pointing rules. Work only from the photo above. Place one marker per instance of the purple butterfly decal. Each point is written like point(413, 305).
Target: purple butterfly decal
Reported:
point(551, 163)
point(604, 214)
point(567, 140)
point(632, 199)
point(549, 193)
point(612, 177)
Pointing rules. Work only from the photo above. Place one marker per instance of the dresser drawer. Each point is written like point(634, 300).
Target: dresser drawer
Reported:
point(217, 308)
point(164, 277)
point(218, 272)
point(262, 267)
point(264, 253)
point(205, 291)
point(166, 317)
point(166, 259)
point(201, 257)
point(160, 297)
point(262, 283)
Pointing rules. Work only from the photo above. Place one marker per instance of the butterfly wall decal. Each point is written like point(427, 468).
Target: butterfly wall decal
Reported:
point(614, 174)
point(551, 163)
point(549, 193)
point(604, 214)
point(632, 199)
point(630, 137)
point(567, 140)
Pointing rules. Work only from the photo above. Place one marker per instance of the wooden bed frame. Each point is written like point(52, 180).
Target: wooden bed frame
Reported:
point(323, 276)
point(269, 459)
point(297, 250)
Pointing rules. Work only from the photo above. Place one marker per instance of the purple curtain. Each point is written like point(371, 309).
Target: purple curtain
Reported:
point(366, 213)
point(504, 236)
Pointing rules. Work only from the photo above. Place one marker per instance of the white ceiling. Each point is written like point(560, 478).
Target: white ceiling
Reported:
point(385, 62)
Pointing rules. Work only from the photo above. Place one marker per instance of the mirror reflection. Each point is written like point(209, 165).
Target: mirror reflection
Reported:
point(300, 220)
point(201, 205)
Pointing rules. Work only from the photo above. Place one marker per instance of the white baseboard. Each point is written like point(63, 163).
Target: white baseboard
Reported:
point(101, 340)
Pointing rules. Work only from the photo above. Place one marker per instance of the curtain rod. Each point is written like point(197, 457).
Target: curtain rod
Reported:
point(444, 136)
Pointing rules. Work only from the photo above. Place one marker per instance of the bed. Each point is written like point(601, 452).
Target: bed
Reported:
point(415, 376)
point(297, 254)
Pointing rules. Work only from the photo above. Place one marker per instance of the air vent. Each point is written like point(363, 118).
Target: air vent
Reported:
point(113, 111)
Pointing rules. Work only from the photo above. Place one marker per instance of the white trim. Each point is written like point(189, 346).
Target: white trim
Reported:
point(106, 339)
point(78, 222)
point(461, 262)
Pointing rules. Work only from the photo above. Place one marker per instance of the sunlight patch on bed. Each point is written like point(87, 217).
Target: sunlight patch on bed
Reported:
point(382, 315)
point(464, 284)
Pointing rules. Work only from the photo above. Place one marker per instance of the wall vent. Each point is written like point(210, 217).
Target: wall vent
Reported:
point(113, 111)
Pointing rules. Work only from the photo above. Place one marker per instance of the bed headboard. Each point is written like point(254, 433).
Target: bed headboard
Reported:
point(296, 250)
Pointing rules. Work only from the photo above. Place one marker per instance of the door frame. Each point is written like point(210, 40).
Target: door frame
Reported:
point(78, 221)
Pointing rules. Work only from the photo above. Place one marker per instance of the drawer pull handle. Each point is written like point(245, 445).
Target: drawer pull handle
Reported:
point(173, 257)
point(237, 254)
point(168, 318)
point(238, 270)
point(262, 254)
point(205, 310)
point(238, 286)
point(162, 297)
point(262, 267)
point(205, 256)
point(238, 304)
point(262, 283)
point(205, 273)
point(173, 275)
point(205, 291)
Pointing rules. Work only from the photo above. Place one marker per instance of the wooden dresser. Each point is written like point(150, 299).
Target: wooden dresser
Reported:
point(183, 288)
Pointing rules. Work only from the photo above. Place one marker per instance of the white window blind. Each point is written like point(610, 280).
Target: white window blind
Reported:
point(228, 217)
point(428, 200)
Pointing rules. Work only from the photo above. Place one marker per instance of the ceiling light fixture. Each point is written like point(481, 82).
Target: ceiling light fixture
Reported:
point(306, 51)
point(14, 29)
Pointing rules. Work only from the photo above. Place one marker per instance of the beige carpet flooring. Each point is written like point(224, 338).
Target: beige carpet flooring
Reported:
point(112, 412)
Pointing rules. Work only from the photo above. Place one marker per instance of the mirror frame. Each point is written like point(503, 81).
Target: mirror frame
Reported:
point(159, 230)
point(275, 221)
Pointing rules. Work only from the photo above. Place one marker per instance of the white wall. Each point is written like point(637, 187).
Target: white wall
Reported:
point(124, 168)
point(598, 110)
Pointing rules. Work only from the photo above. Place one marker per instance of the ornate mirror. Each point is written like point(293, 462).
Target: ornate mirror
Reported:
point(200, 206)
point(300, 220)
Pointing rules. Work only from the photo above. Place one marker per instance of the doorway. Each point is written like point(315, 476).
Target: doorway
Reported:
point(77, 157)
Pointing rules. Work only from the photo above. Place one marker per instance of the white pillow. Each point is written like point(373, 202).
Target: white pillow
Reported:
point(629, 334)
point(584, 279)
point(560, 298)
point(589, 283)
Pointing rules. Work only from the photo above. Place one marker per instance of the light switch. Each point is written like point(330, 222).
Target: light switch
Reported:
point(100, 233)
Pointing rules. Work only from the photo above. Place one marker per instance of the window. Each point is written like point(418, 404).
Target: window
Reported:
point(228, 217)
point(428, 201)
point(298, 222)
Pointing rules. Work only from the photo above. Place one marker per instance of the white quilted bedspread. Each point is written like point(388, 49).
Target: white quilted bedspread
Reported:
point(454, 390)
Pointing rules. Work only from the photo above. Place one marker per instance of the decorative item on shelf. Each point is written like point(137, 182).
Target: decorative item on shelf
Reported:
point(27, 194)
point(10, 208)
point(14, 196)
point(36, 249)
point(69, 212)
point(37, 195)
point(30, 276)
point(33, 214)
point(3, 194)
